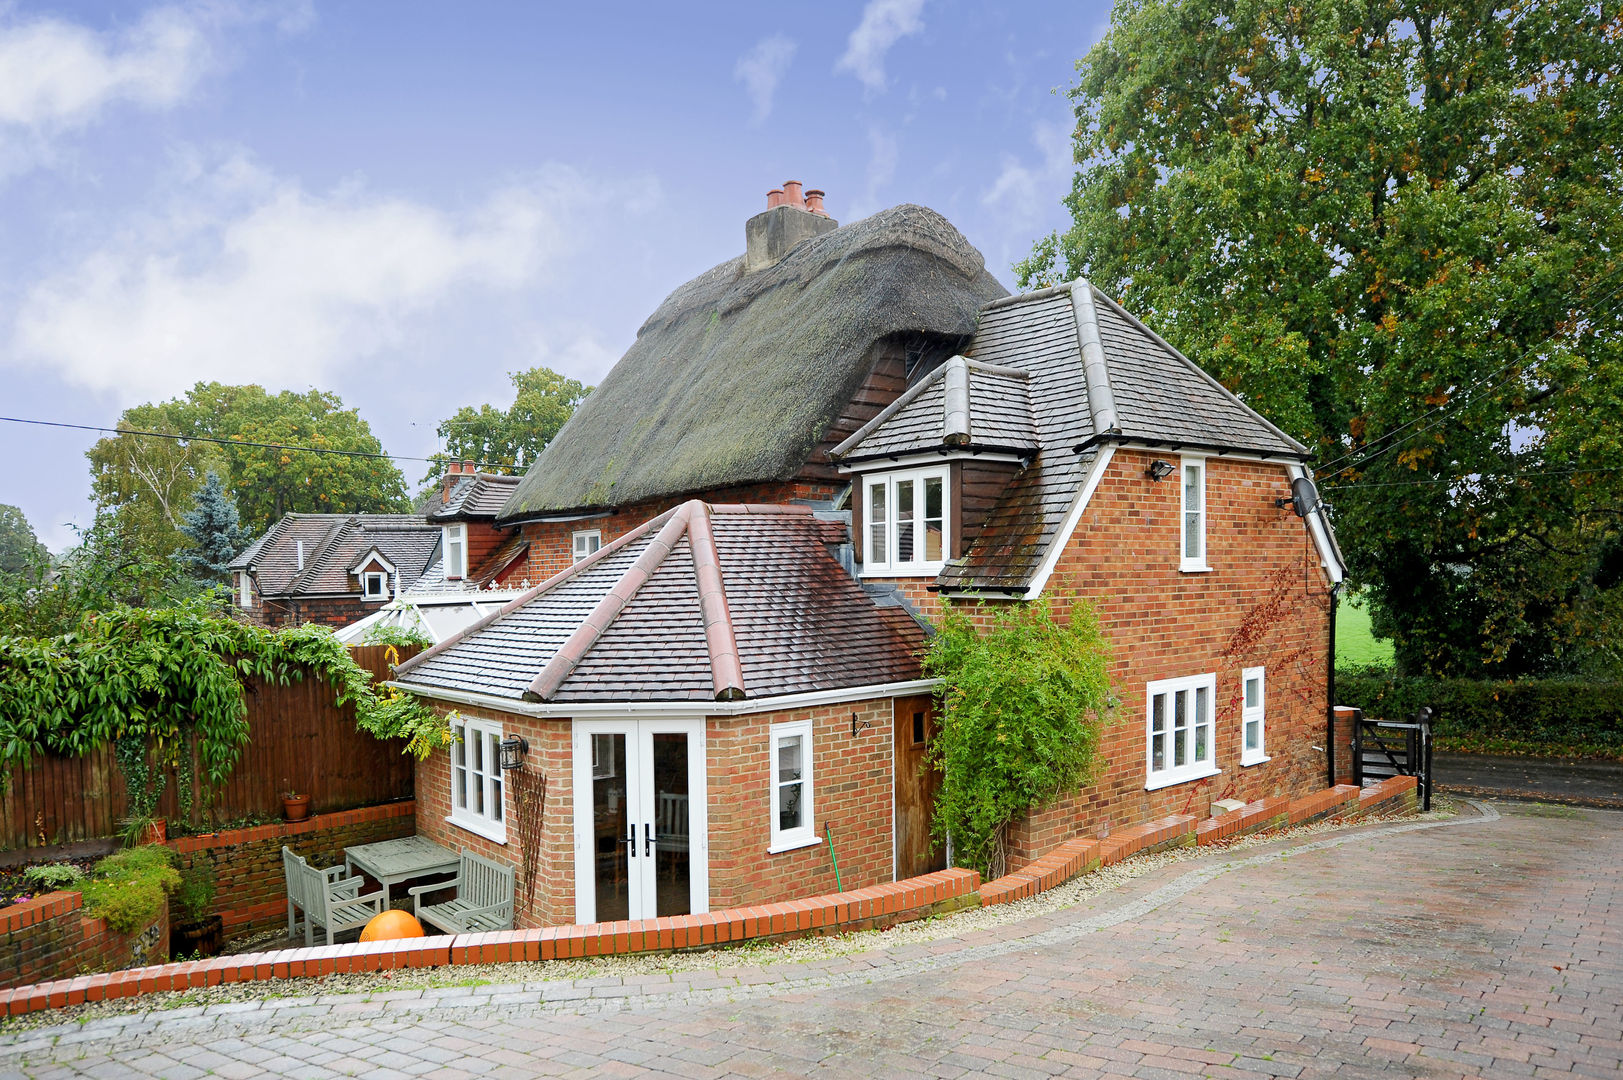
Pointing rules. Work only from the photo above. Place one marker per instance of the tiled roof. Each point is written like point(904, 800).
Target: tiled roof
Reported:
point(333, 544)
point(1149, 390)
point(703, 602)
point(961, 404)
point(475, 495)
point(483, 576)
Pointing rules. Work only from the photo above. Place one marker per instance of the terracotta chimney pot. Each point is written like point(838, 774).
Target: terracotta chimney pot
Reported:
point(814, 202)
point(791, 194)
point(774, 198)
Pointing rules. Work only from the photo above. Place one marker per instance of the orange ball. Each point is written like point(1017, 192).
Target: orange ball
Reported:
point(391, 925)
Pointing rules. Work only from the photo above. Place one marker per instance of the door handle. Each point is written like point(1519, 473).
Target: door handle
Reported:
point(631, 838)
point(647, 839)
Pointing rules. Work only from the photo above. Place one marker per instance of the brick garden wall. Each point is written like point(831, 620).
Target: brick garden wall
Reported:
point(50, 937)
point(252, 891)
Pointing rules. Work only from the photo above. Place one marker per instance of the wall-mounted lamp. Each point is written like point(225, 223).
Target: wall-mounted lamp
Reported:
point(1303, 499)
point(858, 725)
point(514, 747)
point(1160, 470)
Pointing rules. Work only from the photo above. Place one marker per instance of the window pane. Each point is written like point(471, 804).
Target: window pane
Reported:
point(1191, 488)
point(496, 797)
point(904, 522)
point(1253, 692)
point(789, 759)
point(1203, 725)
point(932, 519)
point(877, 522)
point(789, 806)
point(1191, 536)
point(1253, 734)
point(1192, 527)
point(459, 787)
point(1180, 727)
point(1158, 732)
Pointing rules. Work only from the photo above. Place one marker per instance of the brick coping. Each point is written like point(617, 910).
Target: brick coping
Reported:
point(49, 905)
point(314, 823)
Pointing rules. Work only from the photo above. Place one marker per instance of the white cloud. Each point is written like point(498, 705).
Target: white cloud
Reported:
point(761, 69)
point(1025, 194)
point(58, 76)
point(882, 157)
point(884, 23)
point(249, 277)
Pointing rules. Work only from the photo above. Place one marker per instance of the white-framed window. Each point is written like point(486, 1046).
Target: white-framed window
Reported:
point(245, 589)
point(586, 541)
point(375, 585)
point(1180, 728)
point(476, 778)
point(905, 518)
point(1253, 748)
point(1192, 518)
point(456, 552)
point(792, 823)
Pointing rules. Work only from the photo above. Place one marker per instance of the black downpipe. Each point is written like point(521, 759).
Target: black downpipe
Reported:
point(1330, 692)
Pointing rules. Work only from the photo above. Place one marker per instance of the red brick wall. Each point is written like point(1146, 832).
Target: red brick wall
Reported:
point(334, 611)
point(852, 794)
point(251, 889)
point(49, 937)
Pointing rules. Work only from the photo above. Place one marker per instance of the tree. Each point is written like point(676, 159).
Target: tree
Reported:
point(1394, 230)
point(21, 553)
point(211, 525)
point(149, 482)
point(512, 438)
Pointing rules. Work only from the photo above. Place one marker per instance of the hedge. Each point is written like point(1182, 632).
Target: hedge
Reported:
point(1537, 717)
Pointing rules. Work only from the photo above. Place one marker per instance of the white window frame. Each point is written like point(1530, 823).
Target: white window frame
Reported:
point(1192, 769)
point(456, 552)
point(245, 590)
point(1196, 563)
point(483, 767)
point(582, 538)
point(890, 563)
point(805, 834)
point(1254, 714)
point(381, 578)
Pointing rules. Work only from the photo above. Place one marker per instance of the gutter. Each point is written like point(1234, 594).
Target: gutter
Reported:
point(1121, 439)
point(692, 708)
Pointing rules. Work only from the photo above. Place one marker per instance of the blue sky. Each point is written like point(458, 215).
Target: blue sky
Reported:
point(404, 202)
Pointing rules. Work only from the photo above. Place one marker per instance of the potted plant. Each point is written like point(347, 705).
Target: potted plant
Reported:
point(295, 807)
point(199, 932)
point(138, 829)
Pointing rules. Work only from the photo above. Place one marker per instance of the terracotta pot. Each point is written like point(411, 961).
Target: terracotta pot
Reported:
point(296, 808)
point(206, 937)
point(157, 832)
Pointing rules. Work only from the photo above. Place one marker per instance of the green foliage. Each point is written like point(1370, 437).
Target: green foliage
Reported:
point(212, 527)
point(1022, 703)
point(195, 895)
point(21, 553)
point(130, 888)
point(1357, 214)
point(150, 680)
point(401, 637)
point(511, 437)
point(1356, 643)
point(53, 875)
point(147, 483)
point(1537, 717)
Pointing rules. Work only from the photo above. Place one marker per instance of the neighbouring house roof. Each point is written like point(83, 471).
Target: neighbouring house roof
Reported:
point(437, 616)
point(472, 496)
point(702, 603)
point(961, 406)
point(737, 376)
point(1096, 376)
point(480, 578)
point(333, 545)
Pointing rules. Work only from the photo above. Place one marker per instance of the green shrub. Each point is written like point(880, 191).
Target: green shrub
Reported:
point(1022, 704)
point(1536, 717)
point(195, 897)
point(53, 875)
point(130, 888)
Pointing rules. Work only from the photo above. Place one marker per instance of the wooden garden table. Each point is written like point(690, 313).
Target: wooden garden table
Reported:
point(390, 862)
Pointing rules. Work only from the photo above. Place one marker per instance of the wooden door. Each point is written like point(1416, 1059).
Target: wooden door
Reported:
point(913, 725)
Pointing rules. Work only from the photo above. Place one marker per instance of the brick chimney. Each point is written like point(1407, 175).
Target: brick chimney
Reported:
point(789, 218)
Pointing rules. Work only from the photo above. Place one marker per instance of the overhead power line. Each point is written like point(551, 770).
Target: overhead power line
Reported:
point(377, 455)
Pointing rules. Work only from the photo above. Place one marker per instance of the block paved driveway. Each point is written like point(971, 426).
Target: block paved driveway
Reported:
point(1491, 945)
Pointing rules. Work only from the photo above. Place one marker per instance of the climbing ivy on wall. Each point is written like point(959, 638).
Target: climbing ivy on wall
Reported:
point(1023, 699)
point(155, 682)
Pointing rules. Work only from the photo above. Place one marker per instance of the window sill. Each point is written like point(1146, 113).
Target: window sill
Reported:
point(1164, 780)
point(793, 843)
point(486, 829)
point(1257, 759)
point(1194, 569)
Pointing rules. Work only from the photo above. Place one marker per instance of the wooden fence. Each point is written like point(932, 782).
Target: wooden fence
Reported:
point(298, 738)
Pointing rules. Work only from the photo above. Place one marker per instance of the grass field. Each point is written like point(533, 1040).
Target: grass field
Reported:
point(1354, 642)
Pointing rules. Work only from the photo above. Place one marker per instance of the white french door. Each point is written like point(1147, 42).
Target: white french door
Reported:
point(641, 846)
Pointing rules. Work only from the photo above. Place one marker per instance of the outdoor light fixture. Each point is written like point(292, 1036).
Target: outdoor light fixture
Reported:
point(1303, 499)
point(513, 750)
point(1160, 470)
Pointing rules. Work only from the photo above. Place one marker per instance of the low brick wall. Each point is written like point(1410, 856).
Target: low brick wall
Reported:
point(50, 937)
point(252, 894)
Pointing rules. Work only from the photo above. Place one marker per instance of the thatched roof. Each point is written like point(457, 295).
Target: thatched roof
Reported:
point(737, 377)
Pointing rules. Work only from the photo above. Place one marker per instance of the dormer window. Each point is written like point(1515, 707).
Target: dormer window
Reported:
point(456, 552)
point(905, 522)
point(375, 585)
point(586, 541)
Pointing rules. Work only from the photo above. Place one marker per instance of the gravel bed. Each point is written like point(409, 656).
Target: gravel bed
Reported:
point(653, 967)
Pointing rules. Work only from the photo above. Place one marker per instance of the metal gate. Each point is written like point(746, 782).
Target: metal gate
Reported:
point(1382, 749)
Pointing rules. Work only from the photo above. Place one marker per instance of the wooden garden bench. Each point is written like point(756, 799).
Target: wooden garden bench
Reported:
point(484, 898)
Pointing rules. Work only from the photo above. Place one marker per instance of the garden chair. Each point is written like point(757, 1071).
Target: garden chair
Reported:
point(330, 900)
point(484, 898)
point(295, 884)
